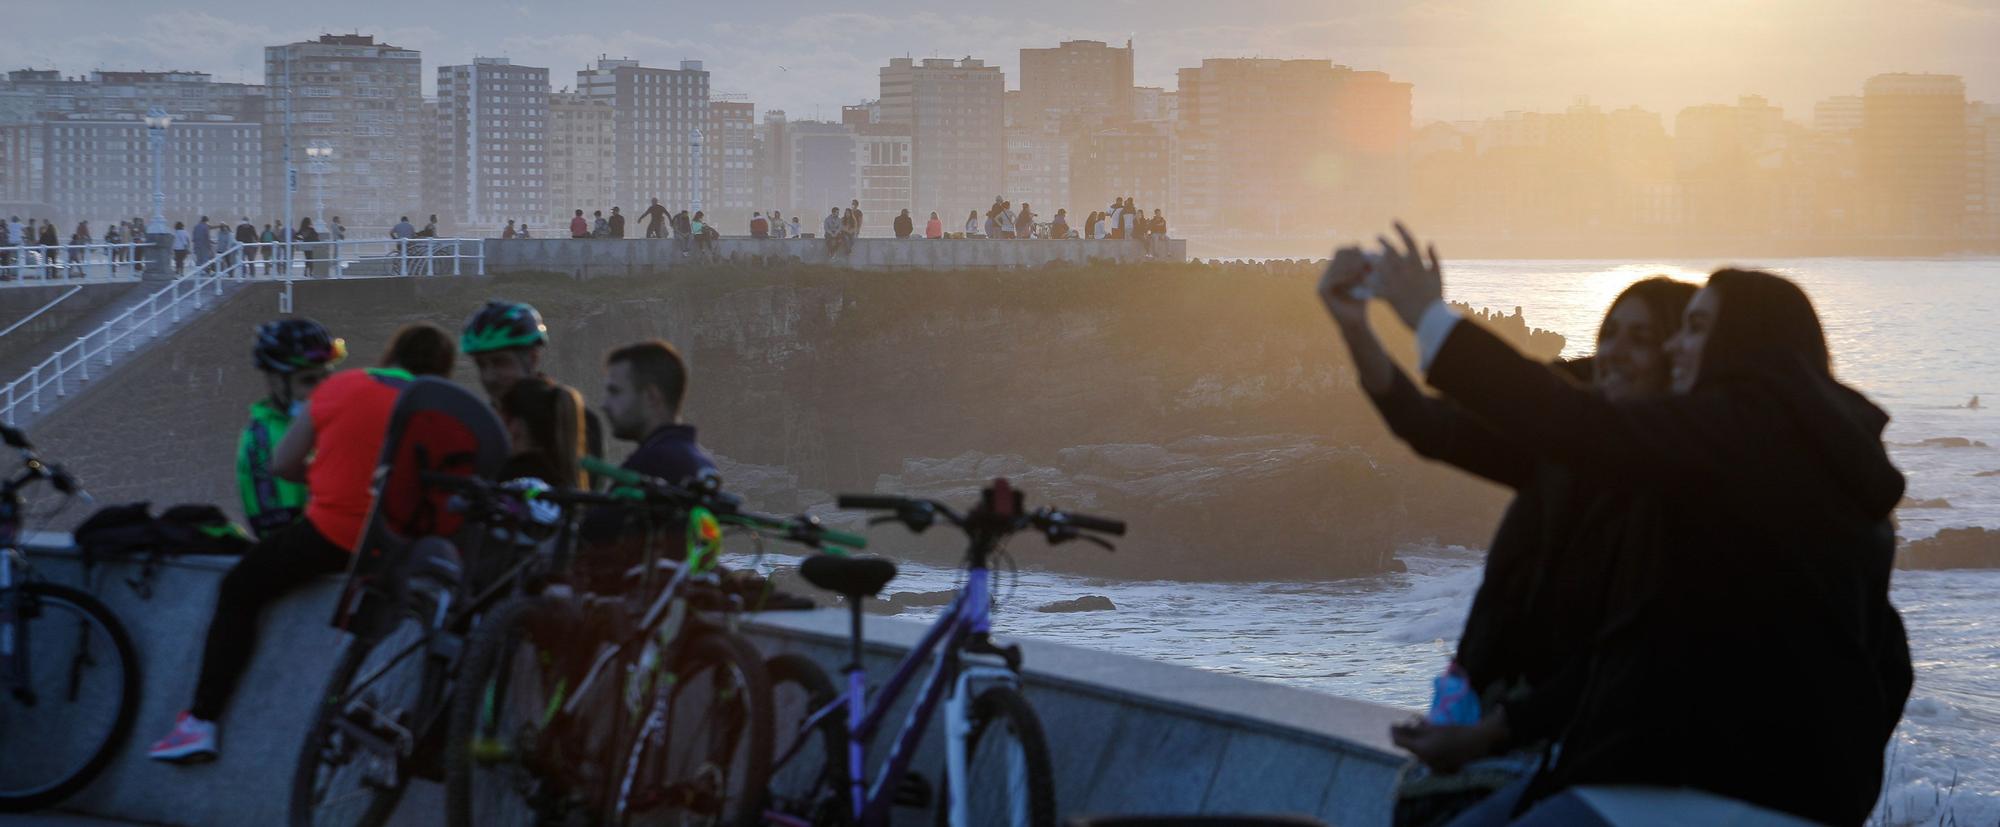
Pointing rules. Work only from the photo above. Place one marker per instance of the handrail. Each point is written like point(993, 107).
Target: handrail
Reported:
point(27, 265)
point(145, 319)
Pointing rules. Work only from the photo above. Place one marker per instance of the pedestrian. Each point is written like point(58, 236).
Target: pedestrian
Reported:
point(777, 225)
point(274, 249)
point(224, 247)
point(339, 233)
point(617, 223)
point(794, 232)
point(430, 229)
point(903, 225)
point(599, 228)
point(78, 239)
point(1024, 223)
point(1059, 226)
point(578, 227)
point(204, 244)
point(656, 220)
point(308, 238)
point(760, 228)
point(507, 233)
point(113, 238)
point(1006, 220)
point(992, 226)
point(1128, 220)
point(246, 236)
point(972, 224)
point(832, 228)
point(934, 229)
point(181, 244)
point(403, 230)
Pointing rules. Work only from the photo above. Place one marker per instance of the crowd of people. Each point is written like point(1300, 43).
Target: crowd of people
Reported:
point(125, 243)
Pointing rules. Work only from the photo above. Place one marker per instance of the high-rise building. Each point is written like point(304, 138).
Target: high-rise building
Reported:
point(774, 163)
point(1080, 83)
point(582, 134)
point(1152, 104)
point(98, 168)
point(882, 150)
point(39, 94)
point(1985, 118)
point(731, 148)
point(825, 172)
point(954, 112)
point(658, 115)
point(1288, 147)
point(1913, 154)
point(1039, 167)
point(364, 101)
point(1840, 113)
point(1730, 161)
point(492, 142)
point(1120, 162)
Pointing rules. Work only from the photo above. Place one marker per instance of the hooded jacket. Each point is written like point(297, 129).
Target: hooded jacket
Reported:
point(1762, 660)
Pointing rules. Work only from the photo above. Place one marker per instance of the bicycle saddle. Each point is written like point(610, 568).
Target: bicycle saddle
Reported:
point(849, 576)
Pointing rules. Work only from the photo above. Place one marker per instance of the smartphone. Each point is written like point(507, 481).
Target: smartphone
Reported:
point(1369, 284)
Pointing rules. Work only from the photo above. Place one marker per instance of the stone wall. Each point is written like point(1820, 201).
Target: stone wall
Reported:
point(593, 258)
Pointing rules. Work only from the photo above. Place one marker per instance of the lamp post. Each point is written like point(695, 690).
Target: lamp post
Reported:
point(157, 234)
point(318, 155)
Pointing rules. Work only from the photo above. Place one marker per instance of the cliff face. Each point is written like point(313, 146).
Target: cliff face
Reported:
point(1213, 408)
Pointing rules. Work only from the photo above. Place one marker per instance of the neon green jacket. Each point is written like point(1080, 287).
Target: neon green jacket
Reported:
point(269, 503)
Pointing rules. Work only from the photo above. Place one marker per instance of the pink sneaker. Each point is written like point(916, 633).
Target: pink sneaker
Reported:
point(191, 742)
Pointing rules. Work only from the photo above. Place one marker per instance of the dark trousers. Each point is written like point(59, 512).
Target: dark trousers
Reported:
point(275, 566)
point(655, 231)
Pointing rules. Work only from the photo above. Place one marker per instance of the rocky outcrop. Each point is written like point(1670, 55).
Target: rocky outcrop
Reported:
point(1953, 548)
point(1086, 603)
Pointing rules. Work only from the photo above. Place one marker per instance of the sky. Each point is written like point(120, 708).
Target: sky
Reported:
point(1467, 58)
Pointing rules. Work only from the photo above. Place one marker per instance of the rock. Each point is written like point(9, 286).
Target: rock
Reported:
point(1953, 548)
point(1086, 603)
point(922, 599)
point(1993, 473)
point(1951, 442)
point(1911, 502)
point(878, 606)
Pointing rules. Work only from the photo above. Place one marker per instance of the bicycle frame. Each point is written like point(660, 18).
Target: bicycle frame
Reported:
point(969, 614)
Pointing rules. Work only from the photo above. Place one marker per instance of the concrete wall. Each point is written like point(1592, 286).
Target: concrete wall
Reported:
point(1127, 735)
point(585, 258)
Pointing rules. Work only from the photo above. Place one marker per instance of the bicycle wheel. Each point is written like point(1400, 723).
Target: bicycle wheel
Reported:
point(811, 786)
point(701, 752)
point(1009, 780)
point(355, 762)
point(76, 703)
point(508, 689)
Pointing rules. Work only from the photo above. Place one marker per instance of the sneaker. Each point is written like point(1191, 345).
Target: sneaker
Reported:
point(191, 742)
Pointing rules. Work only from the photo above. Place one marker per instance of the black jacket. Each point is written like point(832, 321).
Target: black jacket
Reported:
point(904, 227)
point(1544, 593)
point(1765, 663)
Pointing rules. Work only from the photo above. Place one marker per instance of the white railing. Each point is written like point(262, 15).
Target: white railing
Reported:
point(163, 309)
point(31, 265)
point(150, 317)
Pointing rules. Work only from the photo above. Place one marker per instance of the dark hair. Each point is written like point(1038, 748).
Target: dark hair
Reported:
point(1665, 300)
point(655, 363)
point(421, 348)
point(1764, 322)
point(554, 416)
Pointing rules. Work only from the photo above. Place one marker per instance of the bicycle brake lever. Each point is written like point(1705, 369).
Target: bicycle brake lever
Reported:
point(1100, 542)
point(885, 518)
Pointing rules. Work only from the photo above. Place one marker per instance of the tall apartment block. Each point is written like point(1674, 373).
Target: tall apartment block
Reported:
point(361, 99)
point(1913, 152)
point(730, 142)
point(656, 114)
point(582, 161)
point(492, 144)
point(957, 139)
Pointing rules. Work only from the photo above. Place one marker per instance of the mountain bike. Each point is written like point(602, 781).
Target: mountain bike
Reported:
point(997, 768)
point(68, 670)
point(638, 707)
point(385, 710)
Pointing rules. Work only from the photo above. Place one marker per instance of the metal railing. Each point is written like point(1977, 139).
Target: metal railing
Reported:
point(30, 265)
point(164, 309)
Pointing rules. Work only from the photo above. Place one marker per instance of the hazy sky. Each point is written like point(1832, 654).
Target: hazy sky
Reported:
point(1468, 58)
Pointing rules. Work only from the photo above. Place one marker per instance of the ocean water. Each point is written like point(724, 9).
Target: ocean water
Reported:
point(1920, 337)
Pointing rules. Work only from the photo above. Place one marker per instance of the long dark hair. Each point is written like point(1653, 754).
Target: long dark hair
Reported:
point(1765, 323)
point(553, 415)
point(422, 348)
point(1665, 300)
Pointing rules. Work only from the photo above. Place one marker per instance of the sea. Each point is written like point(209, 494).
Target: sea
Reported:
point(1921, 337)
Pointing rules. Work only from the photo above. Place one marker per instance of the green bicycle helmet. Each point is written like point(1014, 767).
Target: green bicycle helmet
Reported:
point(503, 325)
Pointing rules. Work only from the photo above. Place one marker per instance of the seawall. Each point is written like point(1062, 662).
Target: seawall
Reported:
point(1211, 407)
point(1127, 735)
point(595, 258)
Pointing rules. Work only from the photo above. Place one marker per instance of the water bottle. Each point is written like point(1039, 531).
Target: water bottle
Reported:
point(1453, 703)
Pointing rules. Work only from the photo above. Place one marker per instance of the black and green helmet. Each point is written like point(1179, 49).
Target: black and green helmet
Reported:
point(286, 346)
point(503, 325)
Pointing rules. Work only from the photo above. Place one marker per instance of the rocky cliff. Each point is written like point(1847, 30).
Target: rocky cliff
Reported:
point(1212, 407)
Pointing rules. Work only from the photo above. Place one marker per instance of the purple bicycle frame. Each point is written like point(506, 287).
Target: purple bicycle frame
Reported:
point(969, 613)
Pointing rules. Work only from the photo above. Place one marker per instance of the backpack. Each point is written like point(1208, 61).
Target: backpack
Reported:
point(130, 530)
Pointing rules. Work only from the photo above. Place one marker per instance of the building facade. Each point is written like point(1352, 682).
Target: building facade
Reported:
point(99, 169)
point(492, 144)
point(582, 134)
point(364, 101)
point(955, 114)
point(824, 169)
point(730, 144)
point(882, 151)
point(657, 116)
point(1083, 83)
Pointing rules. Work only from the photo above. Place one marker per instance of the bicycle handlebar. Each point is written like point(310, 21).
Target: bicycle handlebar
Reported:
point(707, 492)
point(917, 514)
point(58, 478)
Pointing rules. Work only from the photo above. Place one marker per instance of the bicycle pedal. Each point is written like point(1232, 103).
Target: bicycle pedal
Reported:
point(913, 791)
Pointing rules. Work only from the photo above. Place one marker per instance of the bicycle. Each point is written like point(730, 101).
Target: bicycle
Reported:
point(386, 706)
point(83, 703)
point(837, 791)
point(547, 738)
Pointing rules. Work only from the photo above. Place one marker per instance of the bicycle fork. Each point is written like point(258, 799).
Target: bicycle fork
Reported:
point(958, 731)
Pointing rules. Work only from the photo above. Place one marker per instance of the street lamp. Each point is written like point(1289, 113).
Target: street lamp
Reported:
point(319, 155)
point(157, 233)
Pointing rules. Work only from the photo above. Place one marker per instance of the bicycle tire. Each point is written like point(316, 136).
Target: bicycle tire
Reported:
point(128, 707)
point(1003, 712)
point(383, 800)
point(813, 785)
point(493, 647)
point(748, 758)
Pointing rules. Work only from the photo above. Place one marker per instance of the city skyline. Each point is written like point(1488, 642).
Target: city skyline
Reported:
point(1465, 61)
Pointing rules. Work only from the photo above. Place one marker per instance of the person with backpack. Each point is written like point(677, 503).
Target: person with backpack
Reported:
point(332, 445)
point(294, 355)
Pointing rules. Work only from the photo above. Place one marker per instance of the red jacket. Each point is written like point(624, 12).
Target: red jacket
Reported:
point(579, 228)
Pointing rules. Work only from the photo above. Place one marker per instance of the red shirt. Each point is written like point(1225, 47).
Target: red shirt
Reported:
point(578, 228)
point(350, 417)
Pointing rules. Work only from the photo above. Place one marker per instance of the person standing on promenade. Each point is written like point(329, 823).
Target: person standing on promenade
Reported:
point(656, 220)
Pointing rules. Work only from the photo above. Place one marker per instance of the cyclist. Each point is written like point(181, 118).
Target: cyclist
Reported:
point(644, 385)
point(506, 341)
point(294, 355)
point(341, 430)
